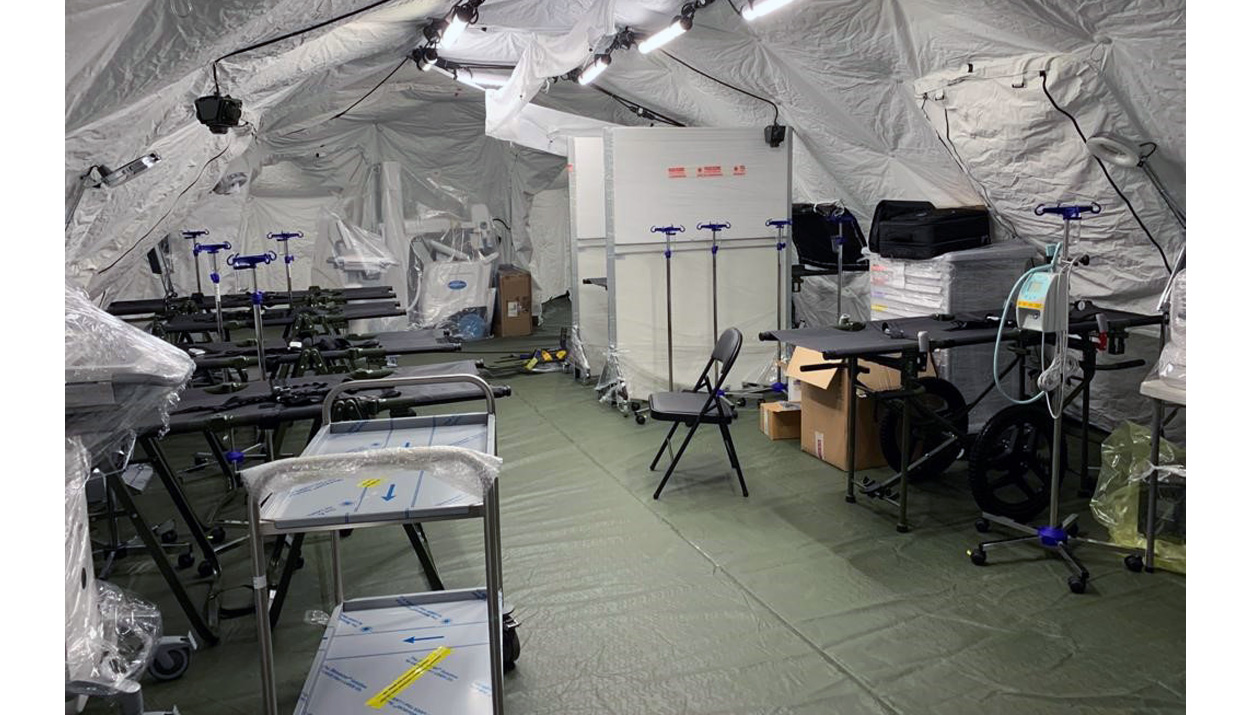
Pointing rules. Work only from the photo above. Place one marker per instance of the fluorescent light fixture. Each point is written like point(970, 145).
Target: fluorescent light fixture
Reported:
point(425, 58)
point(763, 7)
point(129, 171)
point(457, 24)
point(680, 25)
point(591, 73)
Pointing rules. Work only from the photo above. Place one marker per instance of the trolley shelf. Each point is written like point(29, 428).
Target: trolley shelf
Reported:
point(372, 642)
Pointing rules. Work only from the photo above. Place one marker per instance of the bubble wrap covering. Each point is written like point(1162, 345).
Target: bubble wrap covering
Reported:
point(109, 632)
point(469, 471)
point(1119, 497)
point(143, 373)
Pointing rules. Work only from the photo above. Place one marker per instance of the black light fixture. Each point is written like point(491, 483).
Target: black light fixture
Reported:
point(446, 31)
point(219, 113)
point(425, 57)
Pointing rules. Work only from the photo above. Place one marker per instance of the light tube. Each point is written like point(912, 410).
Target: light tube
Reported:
point(592, 72)
point(663, 37)
point(762, 8)
point(455, 28)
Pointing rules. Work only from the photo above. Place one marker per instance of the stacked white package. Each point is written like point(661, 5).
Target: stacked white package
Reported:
point(976, 280)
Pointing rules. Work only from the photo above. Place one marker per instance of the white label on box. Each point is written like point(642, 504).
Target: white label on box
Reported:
point(820, 445)
point(768, 421)
point(794, 390)
point(514, 308)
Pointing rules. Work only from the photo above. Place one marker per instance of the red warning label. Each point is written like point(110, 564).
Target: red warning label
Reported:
point(676, 172)
point(740, 170)
point(707, 172)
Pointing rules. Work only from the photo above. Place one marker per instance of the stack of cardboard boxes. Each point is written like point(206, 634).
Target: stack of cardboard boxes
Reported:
point(819, 416)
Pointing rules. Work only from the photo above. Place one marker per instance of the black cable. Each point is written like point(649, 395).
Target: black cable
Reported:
point(1107, 174)
point(776, 109)
point(505, 224)
point(638, 109)
point(289, 35)
point(375, 88)
point(167, 213)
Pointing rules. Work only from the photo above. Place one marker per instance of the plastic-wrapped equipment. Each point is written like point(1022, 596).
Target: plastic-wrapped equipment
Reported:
point(109, 633)
point(456, 295)
point(1119, 502)
point(1171, 366)
point(356, 250)
point(467, 470)
point(117, 377)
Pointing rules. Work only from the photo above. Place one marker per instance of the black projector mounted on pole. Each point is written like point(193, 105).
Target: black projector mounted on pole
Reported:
point(219, 113)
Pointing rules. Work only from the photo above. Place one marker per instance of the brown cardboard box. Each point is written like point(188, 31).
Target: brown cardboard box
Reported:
point(513, 314)
point(824, 411)
point(780, 420)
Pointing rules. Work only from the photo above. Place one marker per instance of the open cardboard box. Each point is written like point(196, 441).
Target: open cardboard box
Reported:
point(824, 414)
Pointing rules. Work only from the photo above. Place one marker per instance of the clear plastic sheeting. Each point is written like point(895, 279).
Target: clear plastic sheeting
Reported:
point(109, 632)
point(816, 303)
point(455, 295)
point(116, 376)
point(1119, 502)
point(468, 470)
point(1171, 366)
point(358, 252)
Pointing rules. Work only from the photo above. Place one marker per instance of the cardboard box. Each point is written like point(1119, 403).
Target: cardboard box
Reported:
point(780, 420)
point(513, 315)
point(824, 414)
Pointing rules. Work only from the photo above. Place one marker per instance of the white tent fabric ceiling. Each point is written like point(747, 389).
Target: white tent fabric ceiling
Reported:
point(888, 99)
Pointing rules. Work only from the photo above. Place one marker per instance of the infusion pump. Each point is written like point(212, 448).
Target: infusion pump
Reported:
point(1039, 305)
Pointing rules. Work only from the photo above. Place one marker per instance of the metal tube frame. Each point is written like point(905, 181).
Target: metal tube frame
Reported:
point(491, 532)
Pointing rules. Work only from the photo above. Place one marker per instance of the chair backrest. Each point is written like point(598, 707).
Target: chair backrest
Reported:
point(725, 353)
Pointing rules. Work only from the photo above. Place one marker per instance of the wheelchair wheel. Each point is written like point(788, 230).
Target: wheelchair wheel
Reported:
point(1009, 464)
point(927, 433)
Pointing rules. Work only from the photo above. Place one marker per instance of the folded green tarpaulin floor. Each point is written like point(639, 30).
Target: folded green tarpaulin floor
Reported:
point(790, 601)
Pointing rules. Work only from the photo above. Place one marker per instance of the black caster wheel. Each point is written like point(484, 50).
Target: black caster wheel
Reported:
point(640, 419)
point(902, 528)
point(169, 536)
point(850, 498)
point(977, 555)
point(299, 563)
point(205, 569)
point(511, 648)
point(927, 434)
point(1074, 530)
point(170, 664)
point(742, 402)
point(1134, 563)
point(185, 561)
point(982, 525)
point(217, 534)
point(1076, 584)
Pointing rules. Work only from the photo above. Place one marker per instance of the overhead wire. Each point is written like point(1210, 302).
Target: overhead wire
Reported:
point(376, 87)
point(289, 35)
point(696, 70)
point(1127, 203)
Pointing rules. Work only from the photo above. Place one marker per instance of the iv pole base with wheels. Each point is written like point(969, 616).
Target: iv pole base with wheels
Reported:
point(1059, 535)
point(757, 391)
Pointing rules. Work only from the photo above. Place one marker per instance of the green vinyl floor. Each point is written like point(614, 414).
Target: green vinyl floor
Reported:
point(789, 601)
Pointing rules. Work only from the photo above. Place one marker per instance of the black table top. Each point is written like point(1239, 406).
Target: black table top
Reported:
point(400, 342)
point(200, 409)
point(888, 337)
point(207, 322)
point(199, 301)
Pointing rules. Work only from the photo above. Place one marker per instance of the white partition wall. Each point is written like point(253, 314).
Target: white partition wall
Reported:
point(688, 176)
point(588, 259)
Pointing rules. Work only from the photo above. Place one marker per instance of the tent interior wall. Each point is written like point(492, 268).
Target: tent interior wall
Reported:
point(984, 103)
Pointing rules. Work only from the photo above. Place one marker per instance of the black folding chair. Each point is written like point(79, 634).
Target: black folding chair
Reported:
point(701, 405)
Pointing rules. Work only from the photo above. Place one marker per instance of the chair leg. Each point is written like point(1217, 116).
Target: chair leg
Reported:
point(667, 437)
point(676, 459)
point(733, 456)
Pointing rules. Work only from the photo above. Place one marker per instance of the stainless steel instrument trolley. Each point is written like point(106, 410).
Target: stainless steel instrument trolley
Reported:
point(390, 652)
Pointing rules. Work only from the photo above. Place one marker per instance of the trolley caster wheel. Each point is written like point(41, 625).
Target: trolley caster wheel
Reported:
point(1076, 584)
point(982, 525)
point(977, 555)
point(902, 528)
point(170, 663)
point(169, 536)
point(640, 419)
point(850, 498)
point(742, 402)
point(217, 534)
point(511, 648)
point(299, 563)
point(185, 561)
point(205, 569)
point(1134, 563)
